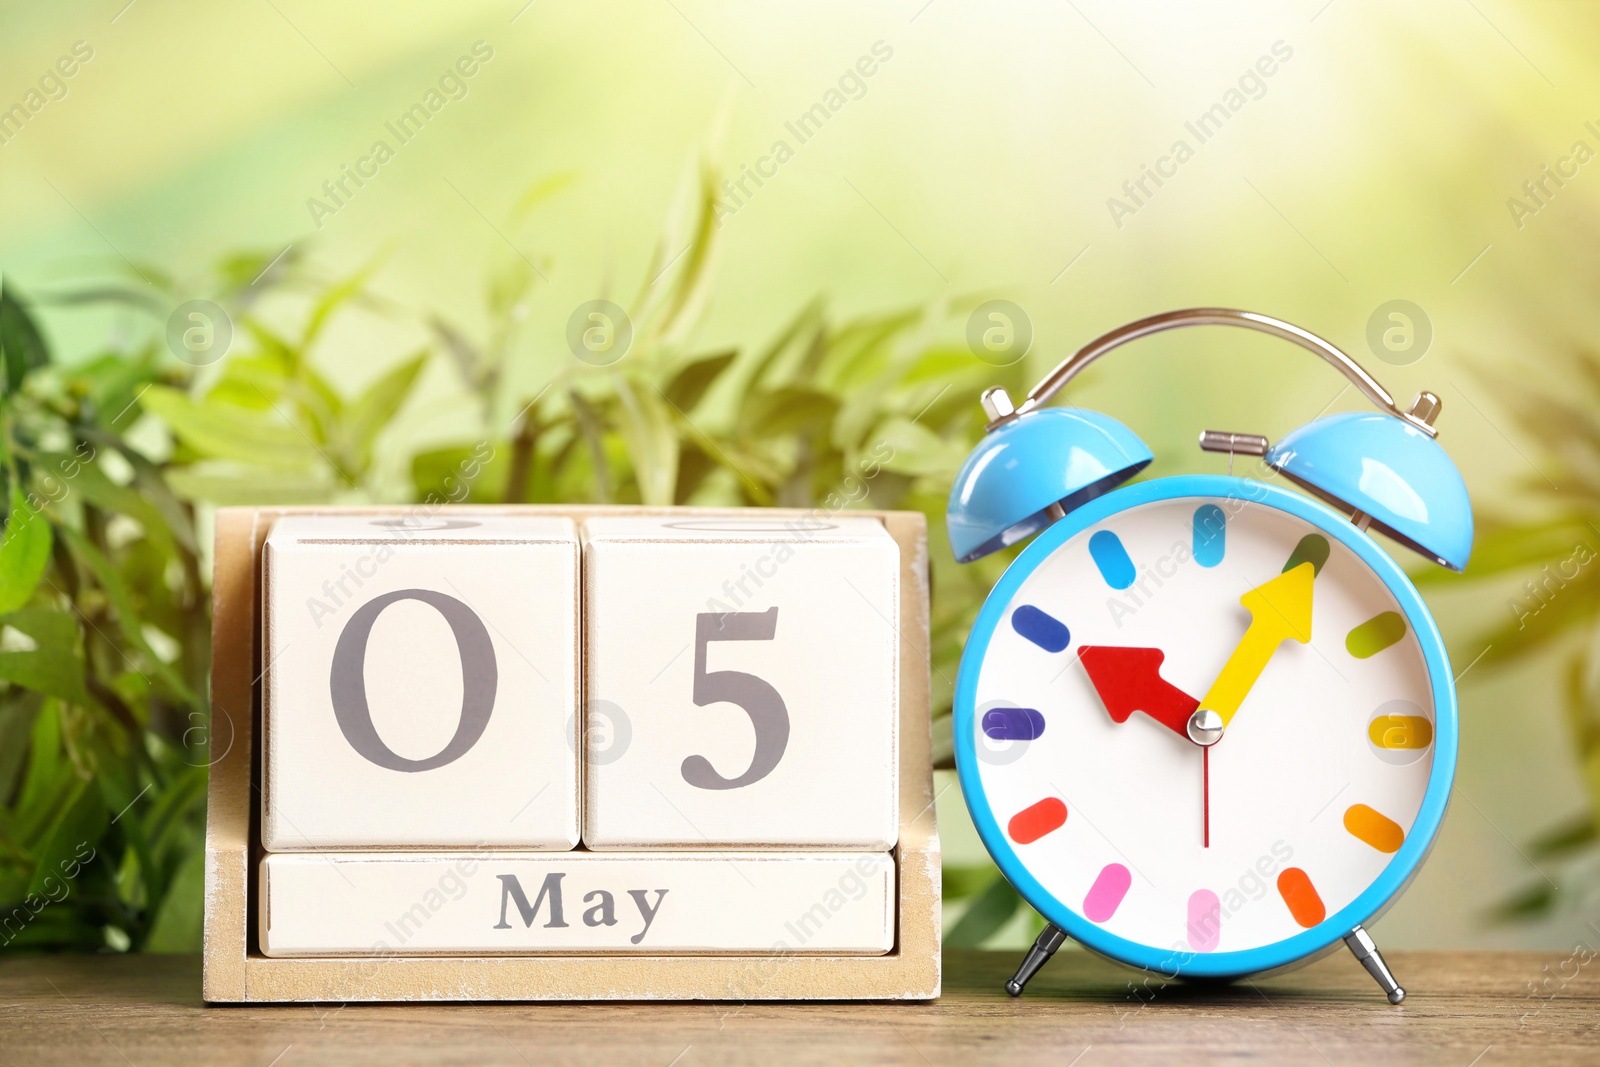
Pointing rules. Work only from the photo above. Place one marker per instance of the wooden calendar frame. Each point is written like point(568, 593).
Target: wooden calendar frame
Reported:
point(236, 971)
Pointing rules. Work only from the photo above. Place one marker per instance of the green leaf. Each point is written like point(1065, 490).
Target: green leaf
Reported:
point(114, 380)
point(110, 293)
point(334, 297)
point(647, 428)
point(24, 554)
point(86, 477)
point(540, 191)
point(239, 271)
point(592, 431)
point(181, 915)
point(509, 284)
point(860, 354)
point(1526, 904)
point(961, 883)
point(229, 485)
point(689, 385)
point(1574, 835)
point(461, 474)
point(22, 347)
point(45, 776)
point(318, 403)
point(668, 311)
point(943, 365)
point(984, 917)
point(918, 450)
point(54, 666)
point(18, 710)
point(693, 468)
point(254, 382)
point(111, 583)
point(227, 432)
point(148, 479)
point(802, 333)
point(184, 794)
point(376, 407)
point(477, 371)
point(1534, 621)
point(71, 842)
point(786, 411)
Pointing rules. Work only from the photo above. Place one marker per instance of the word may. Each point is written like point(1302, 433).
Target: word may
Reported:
point(415, 520)
point(452, 86)
point(1202, 129)
point(52, 87)
point(1579, 154)
point(1543, 590)
point(602, 913)
point(737, 191)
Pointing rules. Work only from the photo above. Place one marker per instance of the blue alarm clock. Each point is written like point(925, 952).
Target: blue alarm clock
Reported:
point(1205, 724)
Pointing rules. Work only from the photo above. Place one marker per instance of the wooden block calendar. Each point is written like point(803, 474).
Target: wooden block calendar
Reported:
point(530, 753)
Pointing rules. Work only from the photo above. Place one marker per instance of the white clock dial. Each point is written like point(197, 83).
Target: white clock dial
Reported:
point(1323, 761)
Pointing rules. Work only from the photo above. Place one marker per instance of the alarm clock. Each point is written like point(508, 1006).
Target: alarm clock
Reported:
point(1205, 724)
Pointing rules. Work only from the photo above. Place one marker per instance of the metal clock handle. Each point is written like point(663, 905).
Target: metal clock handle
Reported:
point(1000, 408)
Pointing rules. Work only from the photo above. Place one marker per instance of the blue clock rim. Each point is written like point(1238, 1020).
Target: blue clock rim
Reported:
point(1390, 881)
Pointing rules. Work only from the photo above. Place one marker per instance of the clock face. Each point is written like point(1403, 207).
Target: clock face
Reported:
point(1296, 633)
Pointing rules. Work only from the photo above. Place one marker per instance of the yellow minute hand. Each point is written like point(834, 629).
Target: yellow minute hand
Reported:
point(1279, 610)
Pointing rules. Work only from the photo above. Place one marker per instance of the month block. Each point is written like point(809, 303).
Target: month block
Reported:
point(420, 683)
point(743, 673)
point(487, 903)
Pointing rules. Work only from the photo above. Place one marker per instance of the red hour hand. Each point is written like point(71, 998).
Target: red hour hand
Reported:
point(1129, 680)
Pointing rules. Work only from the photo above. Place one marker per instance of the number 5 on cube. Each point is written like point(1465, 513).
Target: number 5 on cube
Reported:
point(746, 673)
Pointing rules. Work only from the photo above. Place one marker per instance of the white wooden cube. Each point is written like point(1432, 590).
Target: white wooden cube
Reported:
point(476, 903)
point(747, 671)
point(421, 683)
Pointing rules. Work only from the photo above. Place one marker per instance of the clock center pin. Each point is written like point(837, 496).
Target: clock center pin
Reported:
point(1205, 727)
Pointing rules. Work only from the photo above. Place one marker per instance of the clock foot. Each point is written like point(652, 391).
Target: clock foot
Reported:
point(1366, 951)
point(1037, 957)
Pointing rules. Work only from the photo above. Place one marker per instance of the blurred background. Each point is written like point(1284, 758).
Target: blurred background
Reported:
point(676, 251)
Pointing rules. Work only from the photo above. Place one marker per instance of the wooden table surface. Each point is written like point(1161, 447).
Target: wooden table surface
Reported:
point(1464, 1008)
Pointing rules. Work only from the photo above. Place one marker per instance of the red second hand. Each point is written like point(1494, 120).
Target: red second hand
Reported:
point(1205, 791)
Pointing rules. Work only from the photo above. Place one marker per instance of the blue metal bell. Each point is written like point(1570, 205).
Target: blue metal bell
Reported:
point(1065, 456)
point(1387, 469)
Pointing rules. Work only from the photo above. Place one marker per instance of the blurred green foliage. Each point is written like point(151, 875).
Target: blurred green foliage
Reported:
point(1556, 605)
point(104, 642)
point(103, 715)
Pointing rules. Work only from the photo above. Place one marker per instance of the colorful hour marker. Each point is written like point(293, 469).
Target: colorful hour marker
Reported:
point(1040, 627)
point(1105, 548)
point(1295, 887)
point(1400, 731)
point(1376, 829)
point(1210, 535)
point(1205, 920)
point(1105, 896)
point(1312, 549)
point(1013, 724)
point(1375, 635)
point(1036, 820)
